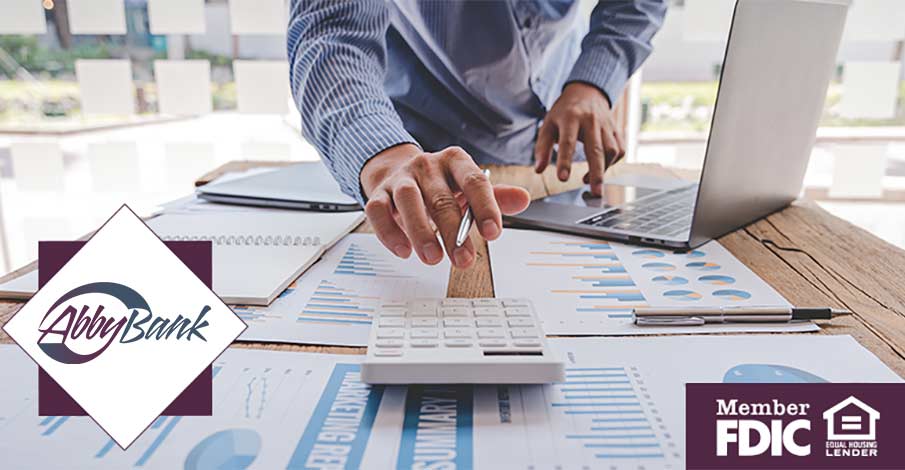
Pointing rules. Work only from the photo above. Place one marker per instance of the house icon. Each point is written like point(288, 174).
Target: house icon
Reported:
point(851, 420)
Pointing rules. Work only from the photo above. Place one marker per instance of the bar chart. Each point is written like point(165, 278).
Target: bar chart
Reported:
point(359, 260)
point(604, 415)
point(333, 302)
point(610, 417)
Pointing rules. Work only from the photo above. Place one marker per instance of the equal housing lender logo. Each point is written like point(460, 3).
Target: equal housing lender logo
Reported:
point(124, 327)
point(810, 425)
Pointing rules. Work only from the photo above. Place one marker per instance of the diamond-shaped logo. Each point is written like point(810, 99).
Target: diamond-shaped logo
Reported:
point(124, 327)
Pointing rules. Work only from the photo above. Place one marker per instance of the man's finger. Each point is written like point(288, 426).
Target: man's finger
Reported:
point(594, 151)
point(620, 139)
point(379, 210)
point(444, 211)
point(611, 146)
point(407, 197)
point(511, 199)
point(543, 148)
point(479, 192)
point(568, 135)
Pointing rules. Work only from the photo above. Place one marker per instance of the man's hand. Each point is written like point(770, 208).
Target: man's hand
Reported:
point(407, 189)
point(582, 112)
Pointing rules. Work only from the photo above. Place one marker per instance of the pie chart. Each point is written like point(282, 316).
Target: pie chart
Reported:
point(703, 266)
point(669, 280)
point(650, 254)
point(683, 295)
point(657, 266)
point(717, 280)
point(231, 448)
point(769, 373)
point(696, 254)
point(732, 294)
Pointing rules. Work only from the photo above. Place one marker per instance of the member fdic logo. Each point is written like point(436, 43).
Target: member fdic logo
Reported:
point(809, 425)
point(124, 328)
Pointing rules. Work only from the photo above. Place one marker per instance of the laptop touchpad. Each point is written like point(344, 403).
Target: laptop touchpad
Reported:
point(613, 195)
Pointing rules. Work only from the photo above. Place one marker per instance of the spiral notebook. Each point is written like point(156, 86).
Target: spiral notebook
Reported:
point(257, 254)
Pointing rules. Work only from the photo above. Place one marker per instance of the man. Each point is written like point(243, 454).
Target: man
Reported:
point(403, 98)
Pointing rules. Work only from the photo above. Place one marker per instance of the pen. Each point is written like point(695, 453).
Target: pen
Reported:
point(467, 219)
point(654, 316)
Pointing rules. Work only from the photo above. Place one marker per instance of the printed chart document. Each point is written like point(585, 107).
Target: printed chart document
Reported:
point(621, 407)
point(333, 302)
point(584, 286)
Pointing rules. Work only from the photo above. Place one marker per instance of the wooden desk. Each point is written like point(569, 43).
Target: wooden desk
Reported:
point(808, 255)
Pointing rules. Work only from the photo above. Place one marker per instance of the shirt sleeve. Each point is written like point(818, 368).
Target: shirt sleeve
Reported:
point(617, 43)
point(337, 59)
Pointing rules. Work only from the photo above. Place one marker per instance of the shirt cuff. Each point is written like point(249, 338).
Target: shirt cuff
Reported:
point(358, 142)
point(602, 70)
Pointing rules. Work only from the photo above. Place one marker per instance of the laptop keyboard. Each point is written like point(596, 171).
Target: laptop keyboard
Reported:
point(667, 214)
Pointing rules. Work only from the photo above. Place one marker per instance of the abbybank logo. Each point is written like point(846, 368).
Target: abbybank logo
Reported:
point(809, 425)
point(76, 332)
point(124, 328)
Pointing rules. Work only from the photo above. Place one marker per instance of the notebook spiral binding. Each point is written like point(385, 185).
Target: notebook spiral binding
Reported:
point(248, 240)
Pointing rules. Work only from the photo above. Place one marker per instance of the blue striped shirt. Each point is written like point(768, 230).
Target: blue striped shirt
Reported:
point(370, 74)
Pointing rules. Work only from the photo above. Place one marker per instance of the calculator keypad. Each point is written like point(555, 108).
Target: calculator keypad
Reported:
point(486, 324)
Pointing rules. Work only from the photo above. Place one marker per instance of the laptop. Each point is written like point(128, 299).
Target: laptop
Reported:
point(303, 186)
point(779, 59)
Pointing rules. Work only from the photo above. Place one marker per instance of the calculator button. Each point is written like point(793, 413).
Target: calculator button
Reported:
point(527, 343)
point(492, 343)
point(423, 343)
point(423, 313)
point(458, 343)
point(424, 322)
point(424, 304)
point(491, 333)
point(486, 312)
point(523, 332)
point(488, 322)
point(458, 322)
point(520, 322)
point(518, 312)
point(487, 303)
point(457, 333)
point(456, 302)
point(423, 333)
point(454, 312)
point(392, 312)
point(391, 322)
point(514, 303)
point(388, 343)
point(388, 353)
point(390, 333)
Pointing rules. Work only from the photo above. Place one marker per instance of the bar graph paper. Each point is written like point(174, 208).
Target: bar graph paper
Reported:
point(583, 286)
point(334, 301)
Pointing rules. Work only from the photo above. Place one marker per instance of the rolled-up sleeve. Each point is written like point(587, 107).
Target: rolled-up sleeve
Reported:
point(337, 58)
point(617, 43)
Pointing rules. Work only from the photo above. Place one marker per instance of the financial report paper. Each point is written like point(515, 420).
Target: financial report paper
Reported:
point(584, 286)
point(334, 301)
point(620, 407)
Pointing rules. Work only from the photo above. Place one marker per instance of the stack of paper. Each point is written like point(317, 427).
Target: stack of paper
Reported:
point(621, 407)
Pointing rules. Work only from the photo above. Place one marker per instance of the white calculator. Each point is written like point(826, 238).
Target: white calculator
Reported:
point(459, 341)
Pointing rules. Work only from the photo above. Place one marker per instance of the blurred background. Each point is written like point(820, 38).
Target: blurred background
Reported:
point(104, 102)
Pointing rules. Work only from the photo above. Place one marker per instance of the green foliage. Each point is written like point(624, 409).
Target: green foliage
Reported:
point(216, 60)
point(37, 59)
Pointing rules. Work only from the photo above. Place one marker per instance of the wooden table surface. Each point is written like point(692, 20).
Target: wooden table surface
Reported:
point(809, 256)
